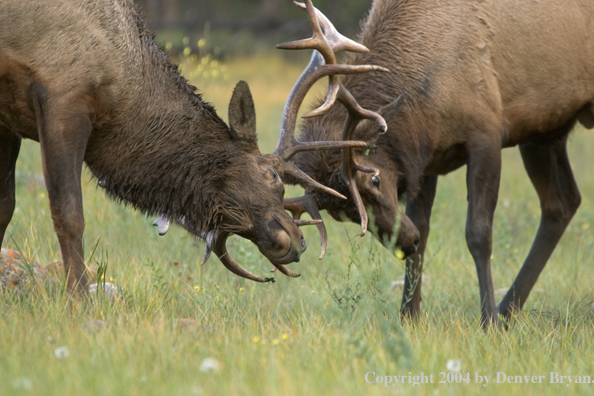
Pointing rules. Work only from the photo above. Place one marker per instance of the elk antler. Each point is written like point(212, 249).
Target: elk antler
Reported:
point(216, 242)
point(326, 42)
point(220, 249)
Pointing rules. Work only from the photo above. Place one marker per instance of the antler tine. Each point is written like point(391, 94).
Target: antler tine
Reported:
point(220, 250)
point(317, 41)
point(349, 170)
point(308, 203)
point(337, 41)
point(322, 27)
point(333, 87)
point(290, 169)
point(359, 113)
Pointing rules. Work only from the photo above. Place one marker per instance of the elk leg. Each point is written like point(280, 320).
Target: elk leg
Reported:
point(482, 179)
point(9, 151)
point(419, 212)
point(550, 172)
point(63, 133)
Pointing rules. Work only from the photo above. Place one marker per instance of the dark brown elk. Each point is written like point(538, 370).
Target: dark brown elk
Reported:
point(85, 80)
point(477, 76)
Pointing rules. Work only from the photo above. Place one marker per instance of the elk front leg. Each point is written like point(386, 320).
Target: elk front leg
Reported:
point(64, 129)
point(482, 179)
point(9, 151)
point(550, 172)
point(419, 212)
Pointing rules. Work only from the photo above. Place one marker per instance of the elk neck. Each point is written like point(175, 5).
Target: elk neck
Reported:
point(160, 147)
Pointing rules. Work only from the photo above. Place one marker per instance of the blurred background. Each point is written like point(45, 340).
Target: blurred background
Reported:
point(242, 26)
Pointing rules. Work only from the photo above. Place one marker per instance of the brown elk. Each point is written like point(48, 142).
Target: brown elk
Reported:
point(85, 80)
point(477, 76)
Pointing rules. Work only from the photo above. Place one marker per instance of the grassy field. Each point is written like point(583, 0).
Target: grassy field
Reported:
point(318, 334)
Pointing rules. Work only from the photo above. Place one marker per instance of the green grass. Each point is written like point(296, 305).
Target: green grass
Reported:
point(318, 334)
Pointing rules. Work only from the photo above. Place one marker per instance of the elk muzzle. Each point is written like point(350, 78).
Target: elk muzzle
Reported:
point(408, 237)
point(282, 241)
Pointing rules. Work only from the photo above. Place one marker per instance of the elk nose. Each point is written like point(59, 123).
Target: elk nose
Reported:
point(411, 249)
point(303, 244)
point(299, 246)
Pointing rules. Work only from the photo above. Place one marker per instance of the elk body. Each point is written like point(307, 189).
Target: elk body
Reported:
point(477, 76)
point(85, 79)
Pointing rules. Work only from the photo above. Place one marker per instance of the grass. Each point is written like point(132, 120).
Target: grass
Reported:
point(318, 334)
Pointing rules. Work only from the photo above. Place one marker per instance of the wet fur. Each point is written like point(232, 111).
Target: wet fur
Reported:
point(152, 150)
point(85, 78)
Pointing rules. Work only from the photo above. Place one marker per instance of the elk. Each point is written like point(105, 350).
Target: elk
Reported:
point(85, 80)
point(470, 78)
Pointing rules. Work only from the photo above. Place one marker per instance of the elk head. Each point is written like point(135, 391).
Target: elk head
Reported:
point(275, 233)
point(354, 174)
point(247, 198)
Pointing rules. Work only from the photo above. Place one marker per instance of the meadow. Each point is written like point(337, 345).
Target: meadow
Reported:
point(183, 329)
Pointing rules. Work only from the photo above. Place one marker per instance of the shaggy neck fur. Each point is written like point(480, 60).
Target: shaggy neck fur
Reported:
point(161, 148)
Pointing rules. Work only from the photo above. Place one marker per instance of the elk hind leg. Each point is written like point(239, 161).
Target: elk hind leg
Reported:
point(550, 172)
point(9, 150)
point(64, 129)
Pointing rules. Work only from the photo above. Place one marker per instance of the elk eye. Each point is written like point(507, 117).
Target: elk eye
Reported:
point(275, 177)
point(375, 181)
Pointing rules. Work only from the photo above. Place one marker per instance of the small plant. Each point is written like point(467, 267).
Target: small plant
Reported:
point(101, 275)
point(360, 299)
point(24, 264)
point(158, 280)
point(349, 295)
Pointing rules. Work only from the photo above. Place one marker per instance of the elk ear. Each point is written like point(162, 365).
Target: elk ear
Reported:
point(389, 110)
point(367, 130)
point(242, 114)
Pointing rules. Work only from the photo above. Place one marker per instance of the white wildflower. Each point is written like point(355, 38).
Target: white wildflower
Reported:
point(110, 291)
point(210, 364)
point(61, 352)
point(454, 365)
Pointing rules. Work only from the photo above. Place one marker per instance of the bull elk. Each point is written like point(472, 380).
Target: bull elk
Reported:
point(477, 76)
point(85, 79)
